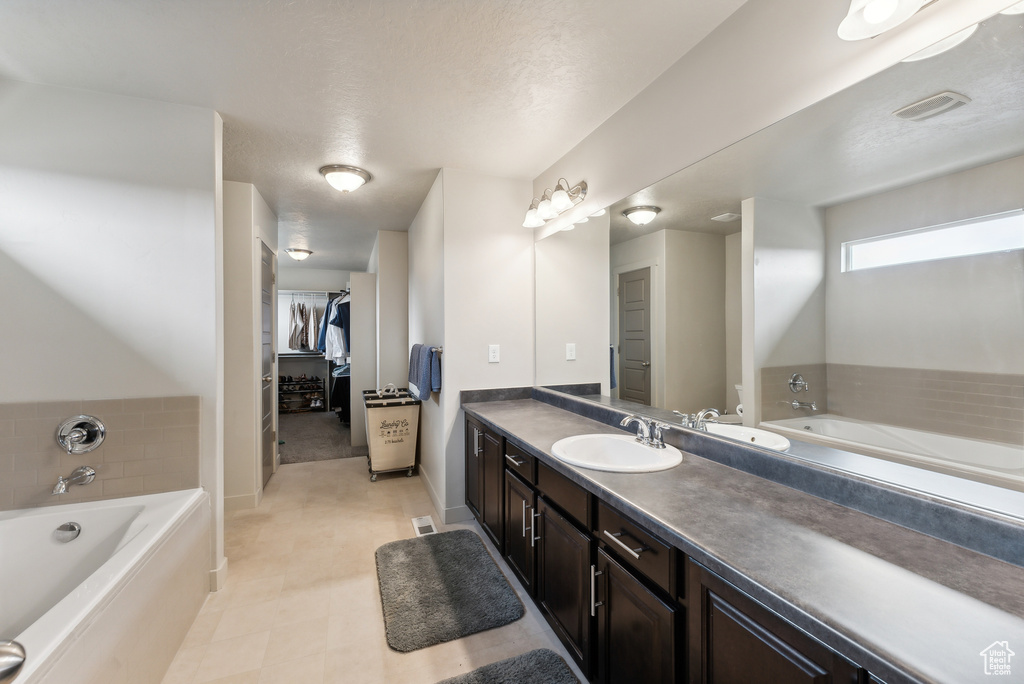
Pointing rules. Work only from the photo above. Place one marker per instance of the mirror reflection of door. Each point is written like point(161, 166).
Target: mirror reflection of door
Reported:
point(635, 336)
point(268, 406)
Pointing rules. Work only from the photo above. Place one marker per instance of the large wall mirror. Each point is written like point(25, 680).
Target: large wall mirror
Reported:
point(920, 362)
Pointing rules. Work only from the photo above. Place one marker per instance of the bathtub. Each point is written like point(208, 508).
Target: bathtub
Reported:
point(113, 604)
point(989, 461)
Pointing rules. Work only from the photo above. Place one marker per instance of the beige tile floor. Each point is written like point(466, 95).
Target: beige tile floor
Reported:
point(301, 602)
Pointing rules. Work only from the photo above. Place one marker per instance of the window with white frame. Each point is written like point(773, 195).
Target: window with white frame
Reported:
point(981, 235)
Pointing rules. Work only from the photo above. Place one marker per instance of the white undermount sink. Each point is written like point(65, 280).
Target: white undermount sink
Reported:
point(749, 435)
point(615, 453)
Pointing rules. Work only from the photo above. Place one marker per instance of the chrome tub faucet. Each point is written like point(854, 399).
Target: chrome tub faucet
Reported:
point(81, 475)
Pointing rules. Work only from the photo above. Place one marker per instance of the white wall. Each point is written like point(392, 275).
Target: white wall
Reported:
point(488, 299)
point(784, 281)
point(389, 260)
point(694, 321)
point(248, 220)
point(363, 336)
point(573, 305)
point(292, 276)
point(109, 254)
point(781, 54)
point(733, 321)
point(426, 326)
point(964, 314)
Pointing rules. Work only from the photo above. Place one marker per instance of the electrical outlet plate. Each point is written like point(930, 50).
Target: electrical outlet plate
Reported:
point(570, 351)
point(493, 353)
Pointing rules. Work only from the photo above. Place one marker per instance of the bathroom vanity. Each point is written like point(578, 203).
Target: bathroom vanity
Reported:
point(706, 573)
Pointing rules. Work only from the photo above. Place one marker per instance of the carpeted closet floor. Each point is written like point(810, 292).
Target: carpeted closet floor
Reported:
point(314, 436)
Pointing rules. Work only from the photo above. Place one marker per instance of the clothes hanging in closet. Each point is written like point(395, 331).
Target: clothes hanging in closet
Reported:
point(335, 338)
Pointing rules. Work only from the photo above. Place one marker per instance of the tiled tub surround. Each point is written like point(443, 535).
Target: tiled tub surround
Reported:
point(984, 406)
point(151, 446)
point(904, 605)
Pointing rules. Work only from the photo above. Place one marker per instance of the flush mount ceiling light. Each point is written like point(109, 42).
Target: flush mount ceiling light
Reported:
point(553, 202)
point(943, 45)
point(869, 18)
point(345, 178)
point(641, 216)
point(298, 254)
point(725, 218)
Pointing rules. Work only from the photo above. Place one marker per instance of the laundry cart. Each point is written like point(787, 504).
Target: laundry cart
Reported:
point(392, 428)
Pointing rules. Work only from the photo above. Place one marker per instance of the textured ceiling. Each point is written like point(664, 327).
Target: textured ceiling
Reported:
point(399, 87)
point(850, 145)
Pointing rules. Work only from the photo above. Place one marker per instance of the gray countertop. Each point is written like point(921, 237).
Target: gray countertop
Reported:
point(904, 605)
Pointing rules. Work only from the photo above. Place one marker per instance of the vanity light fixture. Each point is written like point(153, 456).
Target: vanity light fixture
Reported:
point(553, 202)
point(345, 178)
point(943, 45)
point(298, 254)
point(642, 215)
point(869, 18)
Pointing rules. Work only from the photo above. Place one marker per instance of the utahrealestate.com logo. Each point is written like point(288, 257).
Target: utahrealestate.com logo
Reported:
point(997, 658)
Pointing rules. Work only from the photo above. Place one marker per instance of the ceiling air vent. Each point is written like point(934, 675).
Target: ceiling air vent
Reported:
point(932, 106)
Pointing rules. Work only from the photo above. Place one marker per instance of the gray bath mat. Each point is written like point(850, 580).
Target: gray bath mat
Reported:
point(441, 587)
point(538, 666)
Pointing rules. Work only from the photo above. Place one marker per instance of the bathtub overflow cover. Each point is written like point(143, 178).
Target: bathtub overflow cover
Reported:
point(69, 531)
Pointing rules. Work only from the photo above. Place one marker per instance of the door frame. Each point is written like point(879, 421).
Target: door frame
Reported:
point(657, 324)
point(257, 303)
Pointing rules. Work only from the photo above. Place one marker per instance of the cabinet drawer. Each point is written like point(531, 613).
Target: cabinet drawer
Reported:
point(637, 547)
point(564, 493)
point(521, 463)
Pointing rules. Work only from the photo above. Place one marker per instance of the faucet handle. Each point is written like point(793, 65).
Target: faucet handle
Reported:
point(656, 429)
point(685, 418)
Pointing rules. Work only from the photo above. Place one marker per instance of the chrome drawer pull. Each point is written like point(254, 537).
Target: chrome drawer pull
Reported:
point(635, 553)
point(594, 603)
point(514, 462)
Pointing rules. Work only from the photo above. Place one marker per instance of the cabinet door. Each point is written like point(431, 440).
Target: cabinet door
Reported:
point(735, 639)
point(492, 463)
point(520, 502)
point(474, 436)
point(636, 631)
point(563, 581)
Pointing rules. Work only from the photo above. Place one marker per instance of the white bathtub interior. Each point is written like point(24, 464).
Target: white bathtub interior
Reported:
point(63, 596)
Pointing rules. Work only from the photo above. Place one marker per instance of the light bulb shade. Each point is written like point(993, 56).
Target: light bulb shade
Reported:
point(345, 178)
point(943, 45)
point(560, 200)
point(869, 18)
point(641, 216)
point(298, 254)
point(545, 210)
point(532, 219)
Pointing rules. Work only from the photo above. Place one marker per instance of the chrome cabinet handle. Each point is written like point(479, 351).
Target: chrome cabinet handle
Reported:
point(635, 553)
point(12, 657)
point(524, 518)
point(476, 442)
point(594, 603)
point(513, 461)
point(534, 539)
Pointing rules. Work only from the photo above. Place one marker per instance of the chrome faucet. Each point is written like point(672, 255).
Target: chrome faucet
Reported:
point(643, 428)
point(701, 417)
point(81, 475)
point(797, 405)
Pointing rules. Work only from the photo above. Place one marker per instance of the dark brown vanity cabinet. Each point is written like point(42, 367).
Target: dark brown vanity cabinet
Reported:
point(735, 639)
point(564, 554)
point(637, 635)
point(485, 478)
point(520, 542)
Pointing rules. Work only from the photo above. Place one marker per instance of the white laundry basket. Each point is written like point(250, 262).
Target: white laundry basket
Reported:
point(392, 429)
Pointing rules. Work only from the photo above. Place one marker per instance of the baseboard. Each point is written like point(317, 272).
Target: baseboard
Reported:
point(457, 514)
point(241, 502)
point(219, 575)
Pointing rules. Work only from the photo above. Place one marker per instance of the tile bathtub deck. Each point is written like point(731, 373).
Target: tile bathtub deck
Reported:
point(301, 602)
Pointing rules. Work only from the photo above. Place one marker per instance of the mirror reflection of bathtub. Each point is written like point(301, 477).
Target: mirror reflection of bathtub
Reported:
point(991, 462)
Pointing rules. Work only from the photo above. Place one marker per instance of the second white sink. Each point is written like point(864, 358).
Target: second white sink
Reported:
point(748, 435)
point(615, 453)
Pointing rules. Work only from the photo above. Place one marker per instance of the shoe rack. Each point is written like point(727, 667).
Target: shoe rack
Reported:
point(301, 394)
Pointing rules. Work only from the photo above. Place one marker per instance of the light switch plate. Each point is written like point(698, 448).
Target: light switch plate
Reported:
point(570, 351)
point(493, 354)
